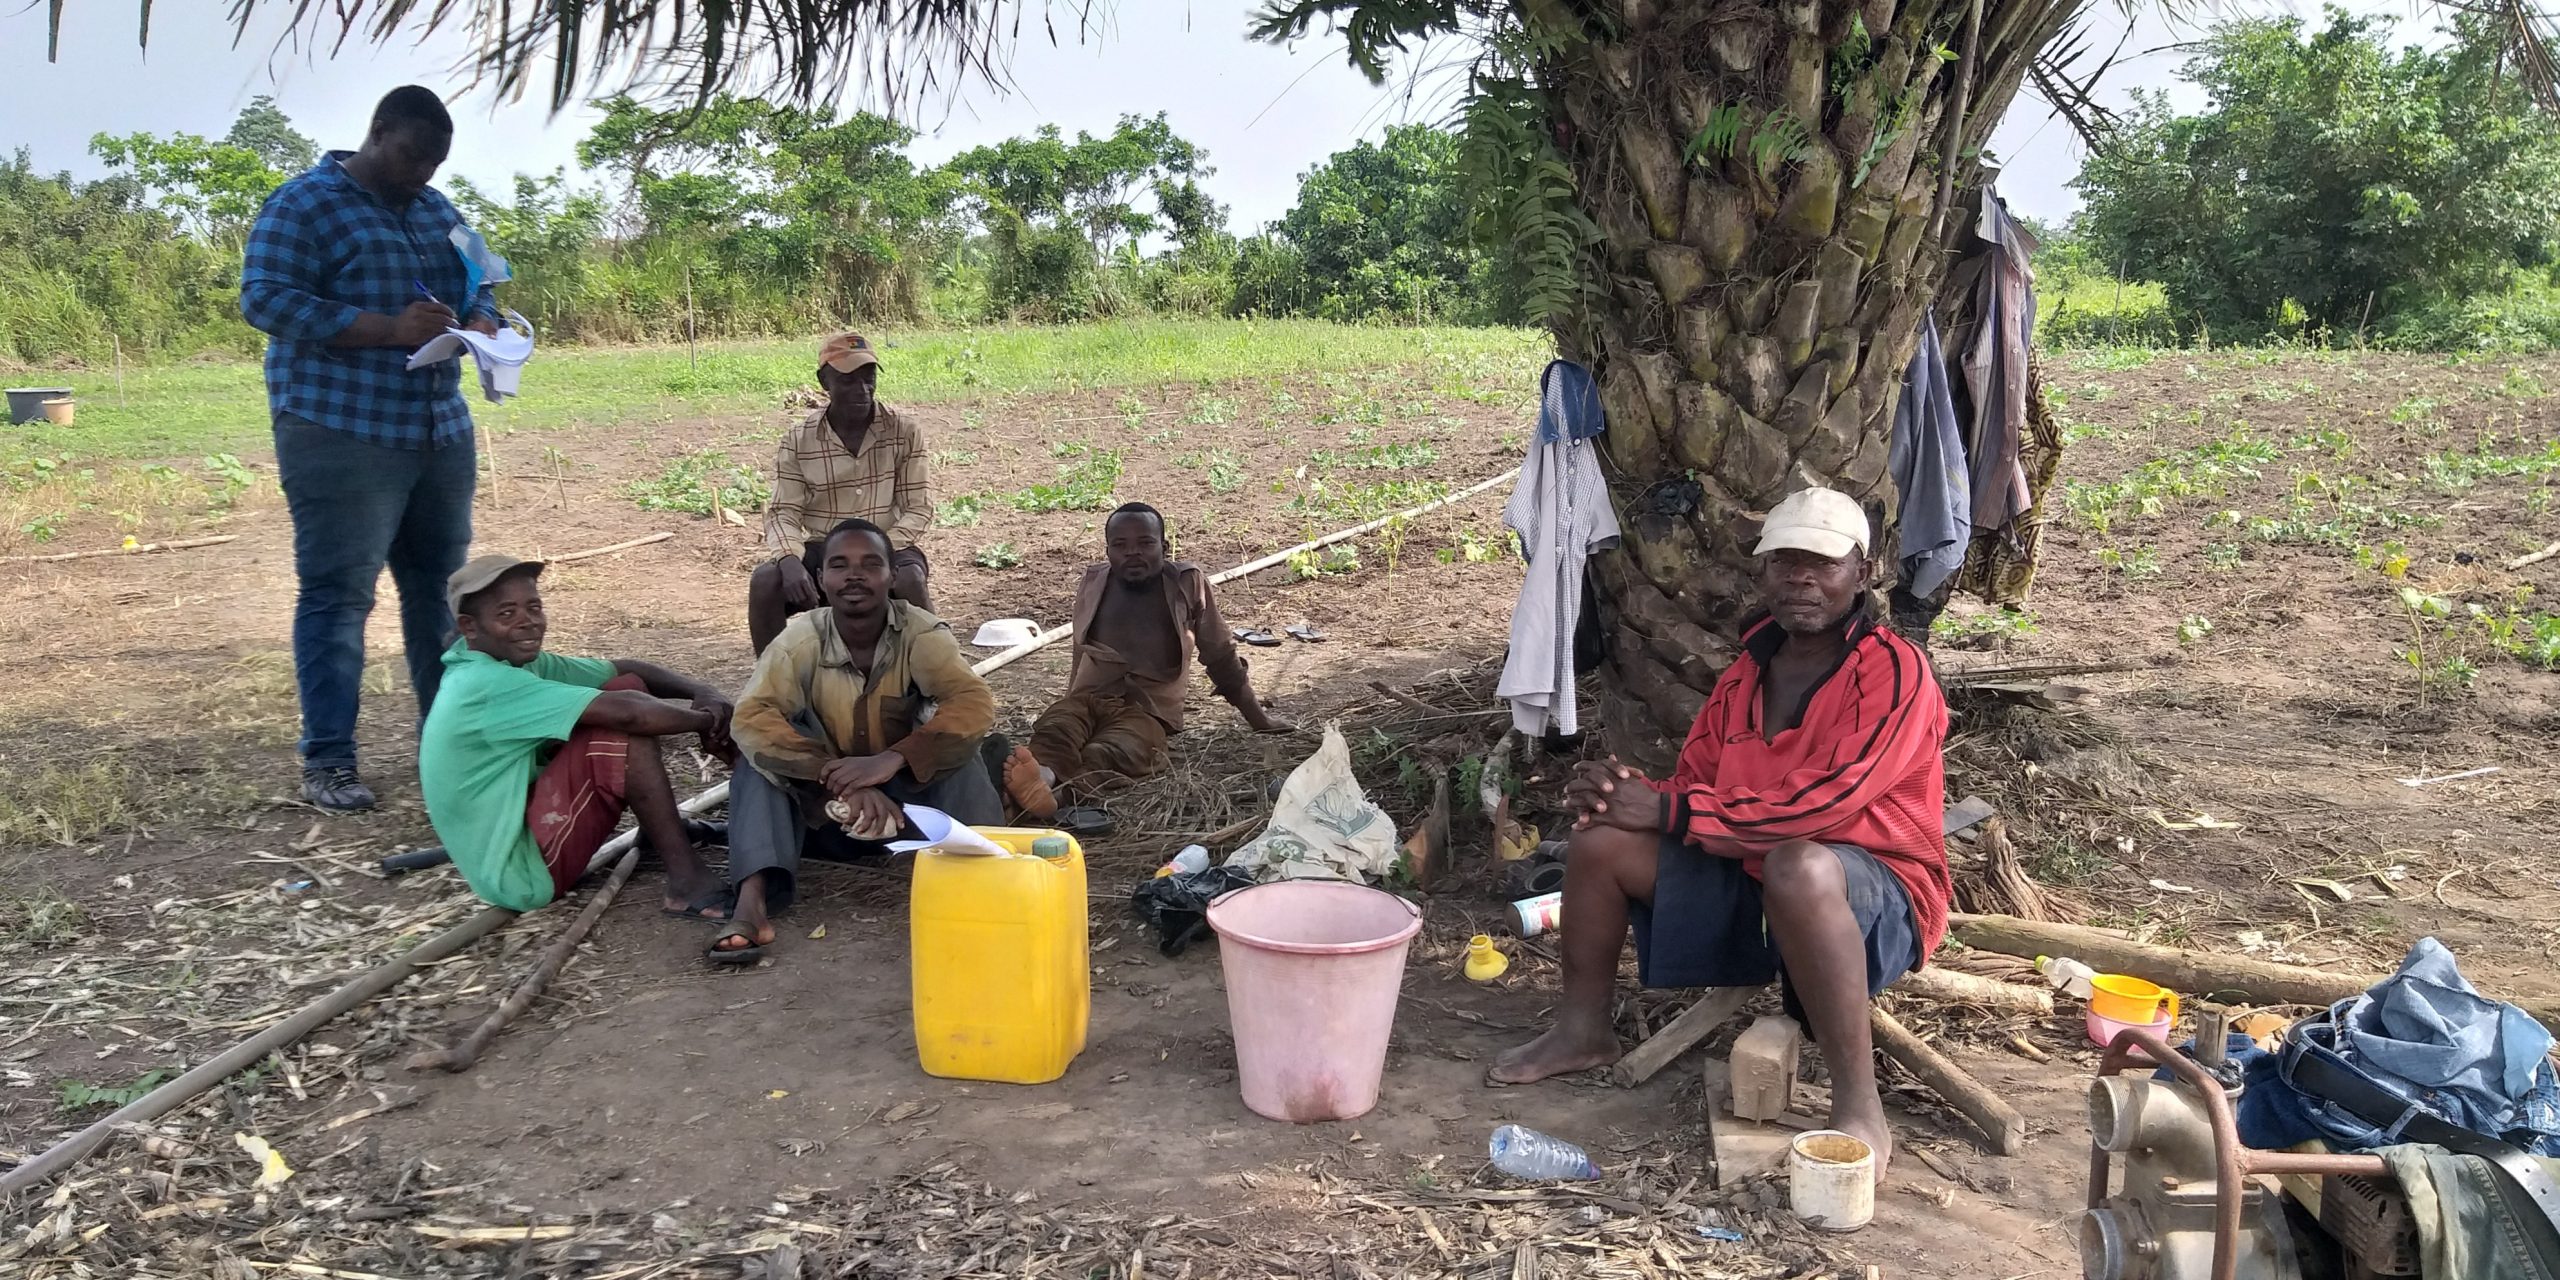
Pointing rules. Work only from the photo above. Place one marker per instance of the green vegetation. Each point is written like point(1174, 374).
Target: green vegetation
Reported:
point(80, 1095)
point(958, 512)
point(1325, 562)
point(1380, 457)
point(2008, 624)
point(998, 555)
point(1083, 485)
point(2206, 471)
point(2336, 189)
point(186, 410)
point(700, 481)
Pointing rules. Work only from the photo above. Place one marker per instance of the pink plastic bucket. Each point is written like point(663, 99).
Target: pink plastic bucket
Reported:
point(1313, 970)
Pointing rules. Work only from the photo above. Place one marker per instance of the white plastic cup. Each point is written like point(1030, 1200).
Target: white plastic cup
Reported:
point(1831, 1180)
point(1533, 916)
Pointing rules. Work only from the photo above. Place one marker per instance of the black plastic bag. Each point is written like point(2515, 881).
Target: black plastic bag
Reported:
point(1177, 906)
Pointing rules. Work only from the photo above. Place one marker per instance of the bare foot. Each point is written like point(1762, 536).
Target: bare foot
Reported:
point(1867, 1124)
point(1561, 1051)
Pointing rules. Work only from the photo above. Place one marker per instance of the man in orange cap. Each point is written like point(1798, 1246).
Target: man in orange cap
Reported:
point(854, 459)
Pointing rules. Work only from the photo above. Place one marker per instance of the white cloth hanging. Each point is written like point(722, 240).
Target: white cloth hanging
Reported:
point(1561, 512)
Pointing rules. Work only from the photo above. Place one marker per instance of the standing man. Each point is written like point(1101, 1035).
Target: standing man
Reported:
point(854, 459)
point(349, 268)
point(1797, 838)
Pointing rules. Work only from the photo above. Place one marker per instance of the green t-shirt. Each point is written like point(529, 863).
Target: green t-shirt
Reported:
point(483, 745)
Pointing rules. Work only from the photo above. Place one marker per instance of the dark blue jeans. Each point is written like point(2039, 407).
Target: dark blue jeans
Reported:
point(357, 507)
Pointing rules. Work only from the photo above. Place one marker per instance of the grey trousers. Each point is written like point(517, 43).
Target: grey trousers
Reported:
point(771, 828)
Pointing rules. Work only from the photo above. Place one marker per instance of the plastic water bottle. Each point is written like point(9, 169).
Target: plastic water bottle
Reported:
point(1533, 1156)
point(2066, 974)
point(1193, 858)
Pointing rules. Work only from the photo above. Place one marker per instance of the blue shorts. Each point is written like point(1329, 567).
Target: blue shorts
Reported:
point(1711, 932)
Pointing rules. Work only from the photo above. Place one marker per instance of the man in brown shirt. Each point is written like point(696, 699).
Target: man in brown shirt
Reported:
point(1140, 619)
point(867, 704)
point(855, 459)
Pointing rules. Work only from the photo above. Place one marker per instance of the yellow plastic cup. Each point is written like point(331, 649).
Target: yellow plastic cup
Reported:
point(2130, 1000)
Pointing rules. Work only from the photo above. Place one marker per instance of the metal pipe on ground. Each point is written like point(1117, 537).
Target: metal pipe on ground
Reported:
point(373, 982)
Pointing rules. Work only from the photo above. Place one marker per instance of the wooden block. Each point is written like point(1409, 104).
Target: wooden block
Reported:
point(1764, 1067)
point(1740, 1148)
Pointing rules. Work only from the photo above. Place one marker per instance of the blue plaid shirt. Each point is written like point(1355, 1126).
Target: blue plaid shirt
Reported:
point(324, 250)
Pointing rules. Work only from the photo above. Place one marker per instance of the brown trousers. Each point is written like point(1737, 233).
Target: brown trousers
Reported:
point(1084, 733)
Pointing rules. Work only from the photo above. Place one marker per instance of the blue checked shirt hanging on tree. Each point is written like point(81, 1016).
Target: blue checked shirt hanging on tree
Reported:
point(326, 249)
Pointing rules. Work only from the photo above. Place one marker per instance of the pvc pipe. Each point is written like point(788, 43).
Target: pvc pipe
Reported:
point(1055, 634)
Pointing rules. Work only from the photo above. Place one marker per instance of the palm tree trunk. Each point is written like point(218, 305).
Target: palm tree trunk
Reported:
point(1763, 178)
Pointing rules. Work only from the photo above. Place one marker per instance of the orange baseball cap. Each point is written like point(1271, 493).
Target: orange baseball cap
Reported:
point(846, 352)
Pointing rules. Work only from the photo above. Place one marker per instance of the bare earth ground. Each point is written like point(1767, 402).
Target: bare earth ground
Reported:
point(162, 901)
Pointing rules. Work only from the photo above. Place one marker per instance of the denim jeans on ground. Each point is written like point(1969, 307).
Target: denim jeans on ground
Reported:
point(358, 507)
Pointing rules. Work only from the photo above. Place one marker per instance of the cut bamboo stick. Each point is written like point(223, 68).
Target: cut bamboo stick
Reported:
point(182, 544)
point(592, 552)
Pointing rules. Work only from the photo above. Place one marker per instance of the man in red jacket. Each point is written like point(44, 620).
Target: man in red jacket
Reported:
point(1798, 838)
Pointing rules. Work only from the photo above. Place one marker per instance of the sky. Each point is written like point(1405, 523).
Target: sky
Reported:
point(1265, 114)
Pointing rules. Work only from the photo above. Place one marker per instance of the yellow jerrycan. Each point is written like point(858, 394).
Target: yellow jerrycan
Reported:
point(1002, 976)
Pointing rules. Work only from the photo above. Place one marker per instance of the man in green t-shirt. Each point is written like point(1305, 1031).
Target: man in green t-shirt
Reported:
point(529, 759)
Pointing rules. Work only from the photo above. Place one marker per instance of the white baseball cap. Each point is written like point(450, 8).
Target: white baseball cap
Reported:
point(1825, 522)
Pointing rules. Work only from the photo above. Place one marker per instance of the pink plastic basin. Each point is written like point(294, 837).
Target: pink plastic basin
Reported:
point(1313, 969)
point(2103, 1029)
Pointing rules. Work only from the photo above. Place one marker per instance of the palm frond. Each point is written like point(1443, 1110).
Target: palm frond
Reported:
point(805, 50)
point(2529, 34)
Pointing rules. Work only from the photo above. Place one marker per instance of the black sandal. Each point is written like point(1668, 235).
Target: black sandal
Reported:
point(748, 954)
point(719, 898)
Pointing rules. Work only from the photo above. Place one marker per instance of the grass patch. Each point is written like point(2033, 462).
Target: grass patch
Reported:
point(959, 512)
point(72, 804)
point(1380, 457)
point(2014, 624)
point(997, 555)
point(689, 483)
point(199, 407)
point(1353, 503)
point(1083, 485)
point(2453, 471)
point(42, 919)
point(2206, 471)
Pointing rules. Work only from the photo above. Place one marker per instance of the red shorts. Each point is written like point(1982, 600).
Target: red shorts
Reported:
point(577, 800)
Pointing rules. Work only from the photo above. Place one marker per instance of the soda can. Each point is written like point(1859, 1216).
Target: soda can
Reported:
point(1533, 916)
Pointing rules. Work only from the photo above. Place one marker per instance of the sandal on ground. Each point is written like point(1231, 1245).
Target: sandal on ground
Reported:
point(1257, 637)
point(748, 954)
point(1083, 820)
point(714, 903)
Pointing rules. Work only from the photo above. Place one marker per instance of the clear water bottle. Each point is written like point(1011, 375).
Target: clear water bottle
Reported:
point(1533, 1156)
point(1193, 858)
point(2066, 974)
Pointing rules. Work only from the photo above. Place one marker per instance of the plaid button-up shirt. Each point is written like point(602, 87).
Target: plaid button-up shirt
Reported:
point(323, 251)
point(816, 483)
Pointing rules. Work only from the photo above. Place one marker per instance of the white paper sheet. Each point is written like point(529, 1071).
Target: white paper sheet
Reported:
point(499, 357)
point(945, 834)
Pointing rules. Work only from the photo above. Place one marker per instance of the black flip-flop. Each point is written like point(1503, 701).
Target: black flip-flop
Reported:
point(1257, 637)
point(1305, 631)
point(1083, 820)
point(747, 954)
point(721, 898)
